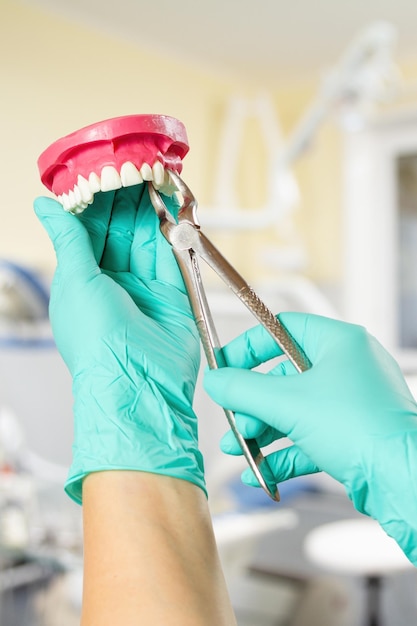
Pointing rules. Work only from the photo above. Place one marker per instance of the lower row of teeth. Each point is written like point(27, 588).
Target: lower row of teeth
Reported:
point(78, 198)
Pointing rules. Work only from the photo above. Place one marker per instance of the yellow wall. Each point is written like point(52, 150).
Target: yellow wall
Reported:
point(57, 76)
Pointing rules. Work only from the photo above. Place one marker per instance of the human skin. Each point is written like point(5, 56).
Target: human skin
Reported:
point(150, 555)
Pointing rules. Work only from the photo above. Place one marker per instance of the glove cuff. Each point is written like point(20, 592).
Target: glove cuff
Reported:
point(138, 430)
point(384, 487)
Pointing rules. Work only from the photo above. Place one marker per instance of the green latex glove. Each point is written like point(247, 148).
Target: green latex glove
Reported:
point(122, 322)
point(351, 415)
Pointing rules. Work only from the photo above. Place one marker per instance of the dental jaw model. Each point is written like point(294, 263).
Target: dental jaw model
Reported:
point(111, 154)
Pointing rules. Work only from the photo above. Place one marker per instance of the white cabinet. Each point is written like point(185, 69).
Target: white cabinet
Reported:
point(380, 233)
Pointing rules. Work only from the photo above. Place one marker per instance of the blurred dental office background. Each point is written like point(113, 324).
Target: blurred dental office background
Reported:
point(302, 123)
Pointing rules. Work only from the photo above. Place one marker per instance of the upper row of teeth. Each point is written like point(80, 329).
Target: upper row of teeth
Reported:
point(78, 198)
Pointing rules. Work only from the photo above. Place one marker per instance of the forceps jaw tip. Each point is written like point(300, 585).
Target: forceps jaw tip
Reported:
point(159, 206)
point(156, 201)
point(272, 492)
point(188, 208)
point(274, 495)
point(270, 487)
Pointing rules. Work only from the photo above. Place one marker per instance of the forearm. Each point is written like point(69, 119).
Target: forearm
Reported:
point(149, 553)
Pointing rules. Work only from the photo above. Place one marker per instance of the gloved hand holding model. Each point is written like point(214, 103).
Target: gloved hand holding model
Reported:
point(351, 415)
point(122, 322)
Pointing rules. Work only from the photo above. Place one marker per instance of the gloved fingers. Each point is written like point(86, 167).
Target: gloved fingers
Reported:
point(159, 301)
point(72, 243)
point(257, 346)
point(251, 348)
point(96, 219)
point(144, 246)
point(264, 436)
point(277, 400)
point(285, 464)
point(121, 230)
point(152, 256)
point(313, 333)
point(320, 336)
point(284, 368)
point(252, 428)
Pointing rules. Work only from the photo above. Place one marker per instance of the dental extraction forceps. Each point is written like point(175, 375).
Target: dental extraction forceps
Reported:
point(188, 243)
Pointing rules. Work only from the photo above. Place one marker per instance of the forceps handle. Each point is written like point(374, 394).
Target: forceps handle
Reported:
point(213, 257)
point(190, 270)
point(275, 328)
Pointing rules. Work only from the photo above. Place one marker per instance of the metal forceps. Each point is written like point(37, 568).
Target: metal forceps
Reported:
point(188, 243)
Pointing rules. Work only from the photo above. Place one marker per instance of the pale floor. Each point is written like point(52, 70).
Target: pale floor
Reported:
point(281, 589)
point(324, 601)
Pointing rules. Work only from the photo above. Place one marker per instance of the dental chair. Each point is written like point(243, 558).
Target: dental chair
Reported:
point(37, 521)
point(360, 548)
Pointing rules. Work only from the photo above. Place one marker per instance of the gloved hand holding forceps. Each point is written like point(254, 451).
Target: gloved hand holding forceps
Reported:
point(351, 415)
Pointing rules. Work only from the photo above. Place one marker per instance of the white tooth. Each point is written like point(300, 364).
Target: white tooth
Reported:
point(158, 173)
point(77, 194)
point(110, 178)
point(146, 171)
point(72, 199)
point(77, 210)
point(130, 175)
point(66, 201)
point(75, 202)
point(85, 190)
point(94, 182)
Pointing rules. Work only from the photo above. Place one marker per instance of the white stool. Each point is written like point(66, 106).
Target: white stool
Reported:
point(357, 547)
